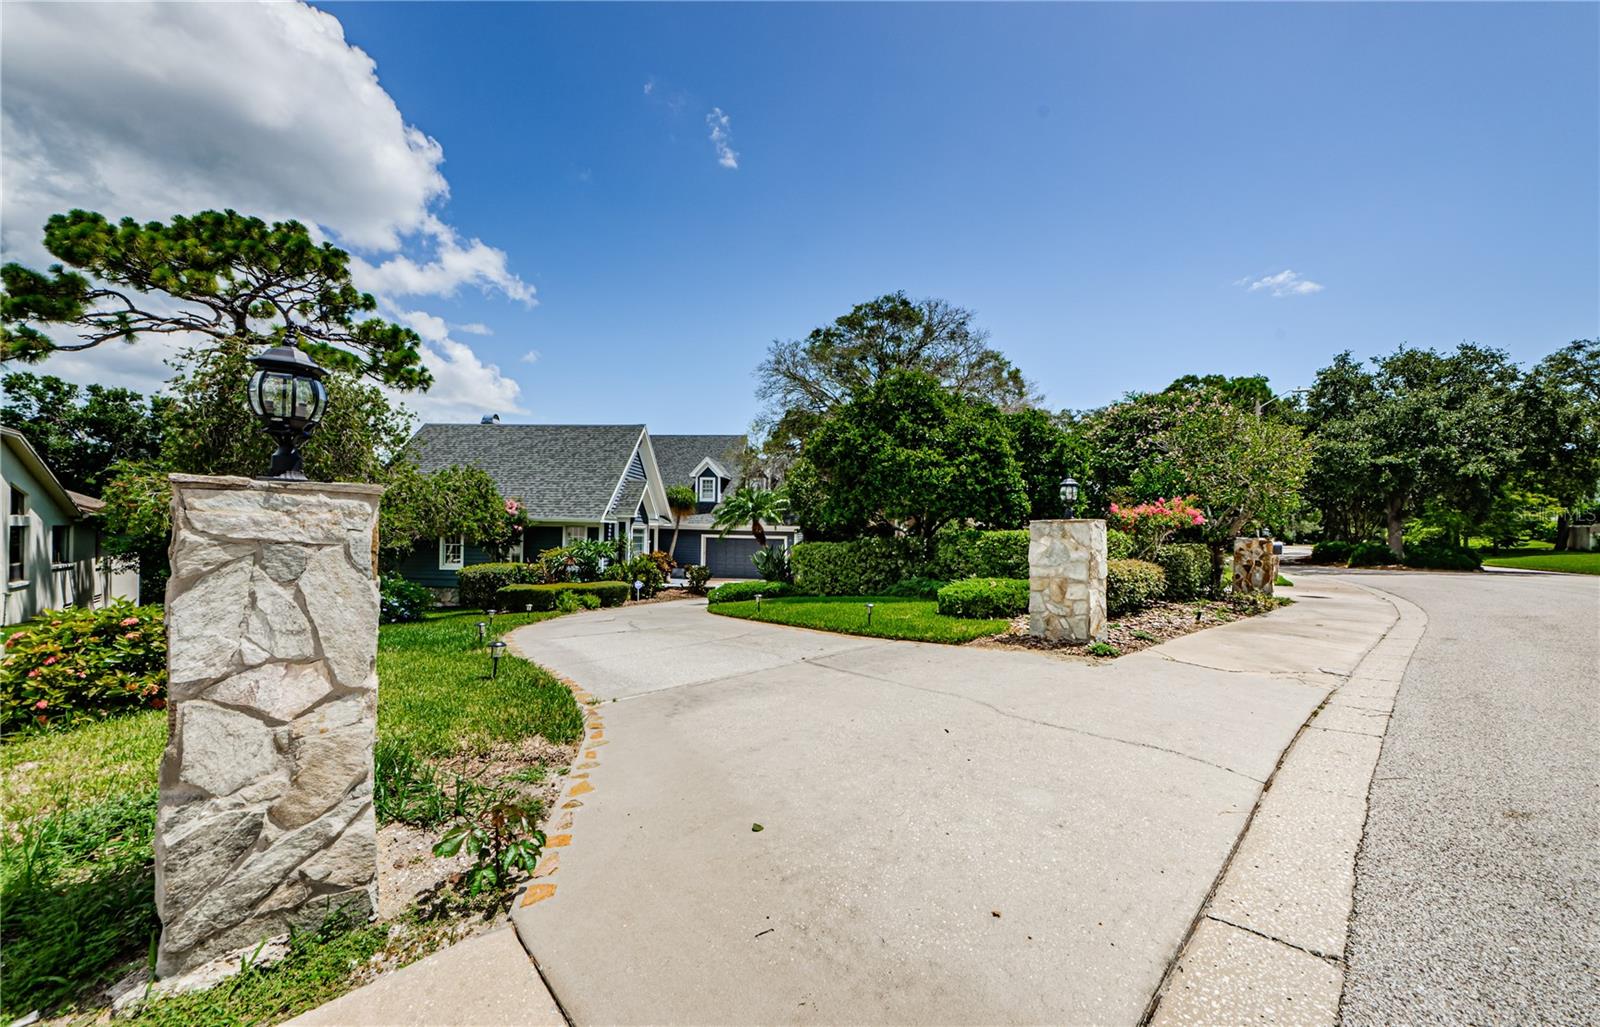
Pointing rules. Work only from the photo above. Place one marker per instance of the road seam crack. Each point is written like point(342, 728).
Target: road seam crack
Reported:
point(1338, 960)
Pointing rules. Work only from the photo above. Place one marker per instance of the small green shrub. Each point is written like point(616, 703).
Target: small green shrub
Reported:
point(478, 584)
point(772, 563)
point(984, 598)
point(1370, 554)
point(968, 553)
point(1133, 585)
point(400, 600)
point(572, 602)
point(642, 568)
point(1102, 649)
point(405, 787)
point(1187, 566)
point(82, 664)
point(916, 588)
point(698, 574)
point(546, 597)
point(735, 591)
point(1331, 551)
point(1440, 555)
point(499, 831)
point(1119, 544)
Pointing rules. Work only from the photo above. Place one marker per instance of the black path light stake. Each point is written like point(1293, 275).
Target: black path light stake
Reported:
point(496, 649)
point(491, 614)
point(758, 602)
point(528, 608)
point(287, 394)
point(1069, 497)
point(482, 627)
point(869, 614)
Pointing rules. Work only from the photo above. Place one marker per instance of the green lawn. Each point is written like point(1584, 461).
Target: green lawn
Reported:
point(892, 617)
point(76, 875)
point(1544, 559)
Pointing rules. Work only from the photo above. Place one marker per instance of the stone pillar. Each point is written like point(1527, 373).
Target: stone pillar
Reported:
point(265, 817)
point(1255, 567)
point(1067, 580)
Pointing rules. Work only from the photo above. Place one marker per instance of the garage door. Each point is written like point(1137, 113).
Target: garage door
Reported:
point(730, 557)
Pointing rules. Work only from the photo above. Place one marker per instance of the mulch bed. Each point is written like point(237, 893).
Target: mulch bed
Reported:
point(1132, 631)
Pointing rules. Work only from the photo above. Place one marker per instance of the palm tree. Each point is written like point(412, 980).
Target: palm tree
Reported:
point(753, 505)
point(681, 501)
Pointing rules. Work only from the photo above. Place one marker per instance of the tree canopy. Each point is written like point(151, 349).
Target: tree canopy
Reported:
point(80, 431)
point(218, 274)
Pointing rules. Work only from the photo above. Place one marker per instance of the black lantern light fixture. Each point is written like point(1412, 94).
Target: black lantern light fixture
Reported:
point(496, 650)
point(287, 394)
point(1069, 497)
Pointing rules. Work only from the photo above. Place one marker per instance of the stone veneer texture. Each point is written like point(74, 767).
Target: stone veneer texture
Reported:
point(265, 817)
point(1255, 567)
point(1067, 580)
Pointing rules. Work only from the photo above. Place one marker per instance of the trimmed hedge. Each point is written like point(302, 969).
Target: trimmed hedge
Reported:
point(1119, 544)
point(736, 591)
point(864, 567)
point(916, 588)
point(1331, 551)
point(1132, 585)
point(983, 598)
point(967, 553)
point(1369, 554)
point(1187, 566)
point(547, 597)
point(1441, 555)
point(478, 584)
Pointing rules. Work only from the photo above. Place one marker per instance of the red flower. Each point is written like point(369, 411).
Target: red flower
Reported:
point(158, 704)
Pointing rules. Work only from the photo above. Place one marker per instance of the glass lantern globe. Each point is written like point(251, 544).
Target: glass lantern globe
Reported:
point(286, 393)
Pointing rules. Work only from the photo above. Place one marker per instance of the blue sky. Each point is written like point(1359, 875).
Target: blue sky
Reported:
point(1098, 182)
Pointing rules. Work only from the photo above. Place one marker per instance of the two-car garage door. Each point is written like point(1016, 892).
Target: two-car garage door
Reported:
point(730, 557)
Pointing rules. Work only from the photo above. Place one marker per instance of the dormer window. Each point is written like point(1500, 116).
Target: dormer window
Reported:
point(709, 487)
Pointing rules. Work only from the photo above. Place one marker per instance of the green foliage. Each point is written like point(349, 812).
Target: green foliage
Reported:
point(478, 585)
point(772, 564)
point(1048, 448)
point(969, 553)
point(579, 560)
point(1125, 456)
point(1105, 649)
point(457, 500)
point(1547, 560)
point(984, 598)
point(49, 771)
point(81, 431)
point(1132, 585)
point(737, 591)
point(79, 664)
point(400, 600)
point(1331, 551)
point(643, 568)
point(916, 620)
point(1558, 407)
point(698, 574)
point(755, 507)
point(571, 602)
point(499, 831)
point(548, 597)
point(1119, 544)
point(218, 274)
point(1440, 554)
point(867, 566)
point(916, 588)
point(77, 887)
point(907, 455)
point(1370, 554)
point(1188, 570)
point(405, 787)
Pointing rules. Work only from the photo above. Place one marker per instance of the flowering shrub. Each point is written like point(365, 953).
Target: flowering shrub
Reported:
point(1151, 524)
point(401, 600)
point(82, 664)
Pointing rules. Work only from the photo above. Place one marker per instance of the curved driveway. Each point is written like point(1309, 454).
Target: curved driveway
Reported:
point(949, 835)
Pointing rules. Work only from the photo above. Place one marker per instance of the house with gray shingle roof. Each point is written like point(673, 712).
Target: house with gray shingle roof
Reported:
point(593, 481)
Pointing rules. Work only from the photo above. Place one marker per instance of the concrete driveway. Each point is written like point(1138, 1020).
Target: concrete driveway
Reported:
point(949, 835)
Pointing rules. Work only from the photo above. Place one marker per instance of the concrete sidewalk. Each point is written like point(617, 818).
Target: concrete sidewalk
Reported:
point(948, 834)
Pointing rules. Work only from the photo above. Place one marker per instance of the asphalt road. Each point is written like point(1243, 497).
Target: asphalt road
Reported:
point(1478, 882)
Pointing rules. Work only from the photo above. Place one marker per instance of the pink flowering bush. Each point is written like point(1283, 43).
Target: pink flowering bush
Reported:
point(1151, 524)
point(68, 666)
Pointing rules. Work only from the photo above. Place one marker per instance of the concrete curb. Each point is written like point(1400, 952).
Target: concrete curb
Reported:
point(1269, 944)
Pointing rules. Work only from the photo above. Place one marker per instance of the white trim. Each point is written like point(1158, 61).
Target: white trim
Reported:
point(705, 462)
point(700, 488)
point(655, 490)
point(444, 563)
point(622, 479)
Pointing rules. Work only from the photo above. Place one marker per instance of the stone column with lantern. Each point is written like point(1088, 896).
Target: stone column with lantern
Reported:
point(265, 818)
point(1067, 574)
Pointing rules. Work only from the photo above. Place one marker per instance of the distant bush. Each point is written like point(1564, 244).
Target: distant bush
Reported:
point(400, 600)
point(1187, 566)
point(1440, 555)
point(571, 602)
point(547, 597)
point(1331, 551)
point(916, 588)
point(981, 598)
point(642, 568)
point(478, 584)
point(1119, 544)
point(79, 664)
point(1370, 554)
point(1132, 585)
point(966, 553)
point(698, 574)
point(738, 591)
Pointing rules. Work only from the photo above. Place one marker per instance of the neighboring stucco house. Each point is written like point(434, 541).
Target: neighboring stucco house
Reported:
point(52, 551)
point(594, 481)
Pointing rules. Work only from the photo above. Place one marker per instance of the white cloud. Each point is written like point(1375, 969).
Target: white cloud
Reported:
point(264, 108)
point(464, 387)
point(1284, 283)
point(475, 328)
point(721, 140)
point(649, 87)
point(531, 357)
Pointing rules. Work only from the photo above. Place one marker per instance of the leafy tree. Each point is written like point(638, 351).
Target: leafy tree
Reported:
point(682, 501)
point(218, 274)
point(908, 455)
point(1047, 449)
point(81, 431)
point(1124, 458)
point(752, 506)
point(1250, 393)
point(1558, 404)
point(803, 380)
point(455, 500)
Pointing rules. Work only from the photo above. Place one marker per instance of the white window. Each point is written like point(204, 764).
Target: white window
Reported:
point(452, 553)
point(17, 535)
point(60, 544)
point(708, 488)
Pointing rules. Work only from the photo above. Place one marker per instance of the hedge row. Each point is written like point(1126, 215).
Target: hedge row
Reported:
point(478, 585)
point(980, 598)
point(1132, 585)
point(1187, 566)
point(737, 591)
point(545, 597)
point(873, 566)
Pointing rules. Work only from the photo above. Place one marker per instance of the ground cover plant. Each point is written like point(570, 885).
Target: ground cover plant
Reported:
point(916, 620)
point(76, 877)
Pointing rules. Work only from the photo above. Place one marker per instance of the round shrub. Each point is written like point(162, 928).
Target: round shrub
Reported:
point(982, 598)
point(1187, 566)
point(1441, 555)
point(1370, 554)
point(1119, 544)
point(738, 591)
point(69, 666)
point(916, 588)
point(1132, 585)
point(1331, 551)
point(400, 600)
point(477, 584)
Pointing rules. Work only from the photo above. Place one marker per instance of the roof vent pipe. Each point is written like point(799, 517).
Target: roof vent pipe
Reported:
point(490, 419)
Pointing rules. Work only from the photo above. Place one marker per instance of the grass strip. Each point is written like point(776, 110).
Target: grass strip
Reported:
point(916, 620)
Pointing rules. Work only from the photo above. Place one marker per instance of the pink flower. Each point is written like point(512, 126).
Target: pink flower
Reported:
point(129, 622)
point(512, 506)
point(42, 704)
point(34, 672)
point(48, 660)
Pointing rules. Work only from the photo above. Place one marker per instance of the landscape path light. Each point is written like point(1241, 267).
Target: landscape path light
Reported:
point(482, 627)
point(497, 648)
point(869, 614)
point(758, 602)
point(1069, 497)
point(638, 589)
point(287, 394)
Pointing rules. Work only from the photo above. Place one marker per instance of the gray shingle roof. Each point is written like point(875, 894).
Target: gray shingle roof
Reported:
point(560, 471)
point(678, 455)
